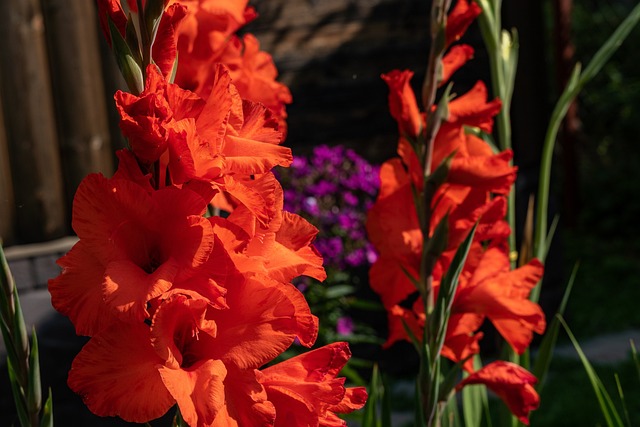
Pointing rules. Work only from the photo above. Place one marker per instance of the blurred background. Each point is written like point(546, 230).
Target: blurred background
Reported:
point(58, 124)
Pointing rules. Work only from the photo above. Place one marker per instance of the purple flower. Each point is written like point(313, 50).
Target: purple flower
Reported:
point(346, 221)
point(372, 255)
point(355, 258)
point(350, 199)
point(310, 205)
point(323, 188)
point(344, 326)
point(332, 188)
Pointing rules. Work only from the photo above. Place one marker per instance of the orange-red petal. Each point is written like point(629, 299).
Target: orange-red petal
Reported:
point(116, 373)
point(512, 383)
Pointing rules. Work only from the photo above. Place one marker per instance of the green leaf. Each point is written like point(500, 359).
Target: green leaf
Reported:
point(450, 415)
point(475, 401)
point(339, 291)
point(433, 248)
point(634, 356)
point(369, 413)
point(34, 387)
point(131, 39)
point(451, 378)
point(47, 412)
point(153, 11)
point(178, 421)
point(412, 279)
point(414, 340)
point(609, 411)
point(6, 290)
point(18, 396)
point(8, 342)
point(622, 400)
point(174, 69)
point(126, 61)
point(486, 137)
point(576, 82)
point(352, 375)
point(442, 310)
point(548, 344)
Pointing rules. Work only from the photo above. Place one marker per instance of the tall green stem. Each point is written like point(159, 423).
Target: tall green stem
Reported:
point(502, 49)
point(576, 82)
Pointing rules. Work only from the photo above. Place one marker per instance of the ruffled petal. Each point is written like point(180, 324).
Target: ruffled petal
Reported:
point(77, 292)
point(116, 373)
point(512, 383)
point(305, 388)
point(246, 401)
point(263, 319)
point(198, 390)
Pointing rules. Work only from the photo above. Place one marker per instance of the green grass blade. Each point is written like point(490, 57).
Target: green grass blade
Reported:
point(611, 45)
point(634, 356)
point(609, 411)
point(552, 232)
point(369, 414)
point(548, 344)
point(624, 403)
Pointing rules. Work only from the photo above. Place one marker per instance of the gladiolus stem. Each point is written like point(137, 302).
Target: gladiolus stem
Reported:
point(433, 77)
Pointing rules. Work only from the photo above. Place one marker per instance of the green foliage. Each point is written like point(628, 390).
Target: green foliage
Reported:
point(569, 396)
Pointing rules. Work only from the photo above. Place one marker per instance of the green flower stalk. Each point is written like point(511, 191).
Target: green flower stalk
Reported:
point(22, 356)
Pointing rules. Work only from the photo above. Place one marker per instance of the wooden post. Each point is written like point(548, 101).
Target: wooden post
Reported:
point(79, 97)
point(7, 206)
point(28, 109)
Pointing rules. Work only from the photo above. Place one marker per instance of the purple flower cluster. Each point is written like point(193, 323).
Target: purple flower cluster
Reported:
point(333, 189)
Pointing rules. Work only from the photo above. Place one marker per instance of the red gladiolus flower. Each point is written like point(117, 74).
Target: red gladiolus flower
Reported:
point(206, 37)
point(254, 75)
point(305, 390)
point(459, 19)
point(403, 104)
point(455, 58)
point(133, 247)
point(502, 294)
point(283, 250)
point(223, 141)
point(512, 383)
point(190, 352)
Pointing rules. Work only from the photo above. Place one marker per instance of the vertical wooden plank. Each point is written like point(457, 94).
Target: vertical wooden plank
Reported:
point(79, 97)
point(29, 118)
point(7, 206)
